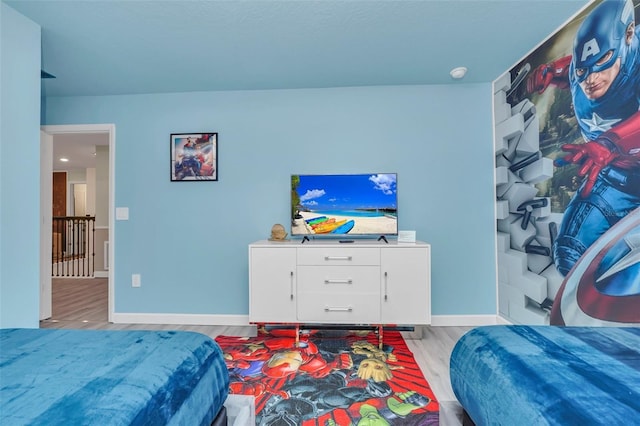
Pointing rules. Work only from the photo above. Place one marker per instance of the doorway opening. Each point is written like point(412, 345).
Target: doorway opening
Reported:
point(89, 193)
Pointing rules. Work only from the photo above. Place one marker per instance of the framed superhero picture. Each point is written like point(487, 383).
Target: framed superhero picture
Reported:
point(194, 156)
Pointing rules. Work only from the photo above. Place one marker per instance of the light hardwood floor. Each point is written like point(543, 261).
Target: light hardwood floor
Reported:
point(82, 304)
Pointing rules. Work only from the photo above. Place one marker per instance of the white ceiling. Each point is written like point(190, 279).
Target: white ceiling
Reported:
point(112, 47)
point(78, 148)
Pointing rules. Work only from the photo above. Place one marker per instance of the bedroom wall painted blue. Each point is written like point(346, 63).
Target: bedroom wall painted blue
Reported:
point(438, 138)
point(189, 240)
point(19, 163)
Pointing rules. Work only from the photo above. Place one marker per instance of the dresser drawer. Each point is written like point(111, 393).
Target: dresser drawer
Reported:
point(339, 280)
point(338, 256)
point(331, 308)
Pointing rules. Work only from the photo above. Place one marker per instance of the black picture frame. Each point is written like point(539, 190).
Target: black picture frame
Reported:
point(194, 157)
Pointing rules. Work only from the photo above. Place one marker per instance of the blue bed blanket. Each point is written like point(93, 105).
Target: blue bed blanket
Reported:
point(546, 375)
point(105, 377)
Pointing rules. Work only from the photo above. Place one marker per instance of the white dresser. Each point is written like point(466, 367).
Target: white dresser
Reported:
point(327, 282)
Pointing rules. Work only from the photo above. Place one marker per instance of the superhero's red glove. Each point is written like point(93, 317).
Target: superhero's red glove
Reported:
point(593, 156)
point(540, 79)
point(554, 73)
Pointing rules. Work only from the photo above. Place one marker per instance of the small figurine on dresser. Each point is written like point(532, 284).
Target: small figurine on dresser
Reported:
point(278, 233)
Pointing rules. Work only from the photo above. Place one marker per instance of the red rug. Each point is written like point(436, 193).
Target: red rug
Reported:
point(332, 378)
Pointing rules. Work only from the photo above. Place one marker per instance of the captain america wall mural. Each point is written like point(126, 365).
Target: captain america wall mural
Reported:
point(567, 145)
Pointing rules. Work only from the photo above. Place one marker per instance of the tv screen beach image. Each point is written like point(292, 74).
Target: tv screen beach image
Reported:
point(356, 204)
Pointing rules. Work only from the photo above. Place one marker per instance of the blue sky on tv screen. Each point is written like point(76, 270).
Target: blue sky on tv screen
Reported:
point(348, 192)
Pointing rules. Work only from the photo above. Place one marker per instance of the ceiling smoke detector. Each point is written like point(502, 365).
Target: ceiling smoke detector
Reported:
point(458, 72)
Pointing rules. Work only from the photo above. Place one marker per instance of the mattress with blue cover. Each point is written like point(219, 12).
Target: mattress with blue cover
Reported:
point(547, 375)
point(109, 377)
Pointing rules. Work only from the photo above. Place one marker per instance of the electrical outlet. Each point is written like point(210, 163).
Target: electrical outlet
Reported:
point(136, 280)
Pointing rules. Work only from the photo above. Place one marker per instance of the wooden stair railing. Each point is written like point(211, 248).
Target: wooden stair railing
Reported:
point(73, 246)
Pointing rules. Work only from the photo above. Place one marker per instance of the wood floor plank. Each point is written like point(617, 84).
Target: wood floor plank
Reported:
point(82, 303)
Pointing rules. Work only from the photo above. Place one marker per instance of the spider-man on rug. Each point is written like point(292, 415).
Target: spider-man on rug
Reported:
point(330, 378)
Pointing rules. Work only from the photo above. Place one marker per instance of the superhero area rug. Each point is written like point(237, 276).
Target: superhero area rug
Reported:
point(330, 378)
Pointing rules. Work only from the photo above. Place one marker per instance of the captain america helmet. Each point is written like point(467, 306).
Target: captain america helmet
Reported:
point(600, 40)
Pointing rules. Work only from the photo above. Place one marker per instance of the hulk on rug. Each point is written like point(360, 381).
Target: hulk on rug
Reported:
point(331, 378)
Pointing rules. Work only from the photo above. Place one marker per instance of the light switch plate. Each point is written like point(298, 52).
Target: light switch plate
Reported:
point(122, 213)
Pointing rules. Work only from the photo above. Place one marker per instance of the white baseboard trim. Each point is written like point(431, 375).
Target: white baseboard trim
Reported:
point(180, 319)
point(504, 321)
point(101, 274)
point(465, 320)
point(243, 320)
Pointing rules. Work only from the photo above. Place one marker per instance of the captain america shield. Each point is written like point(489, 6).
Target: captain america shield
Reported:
point(603, 287)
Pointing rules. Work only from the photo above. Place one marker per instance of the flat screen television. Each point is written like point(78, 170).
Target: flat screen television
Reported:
point(344, 205)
